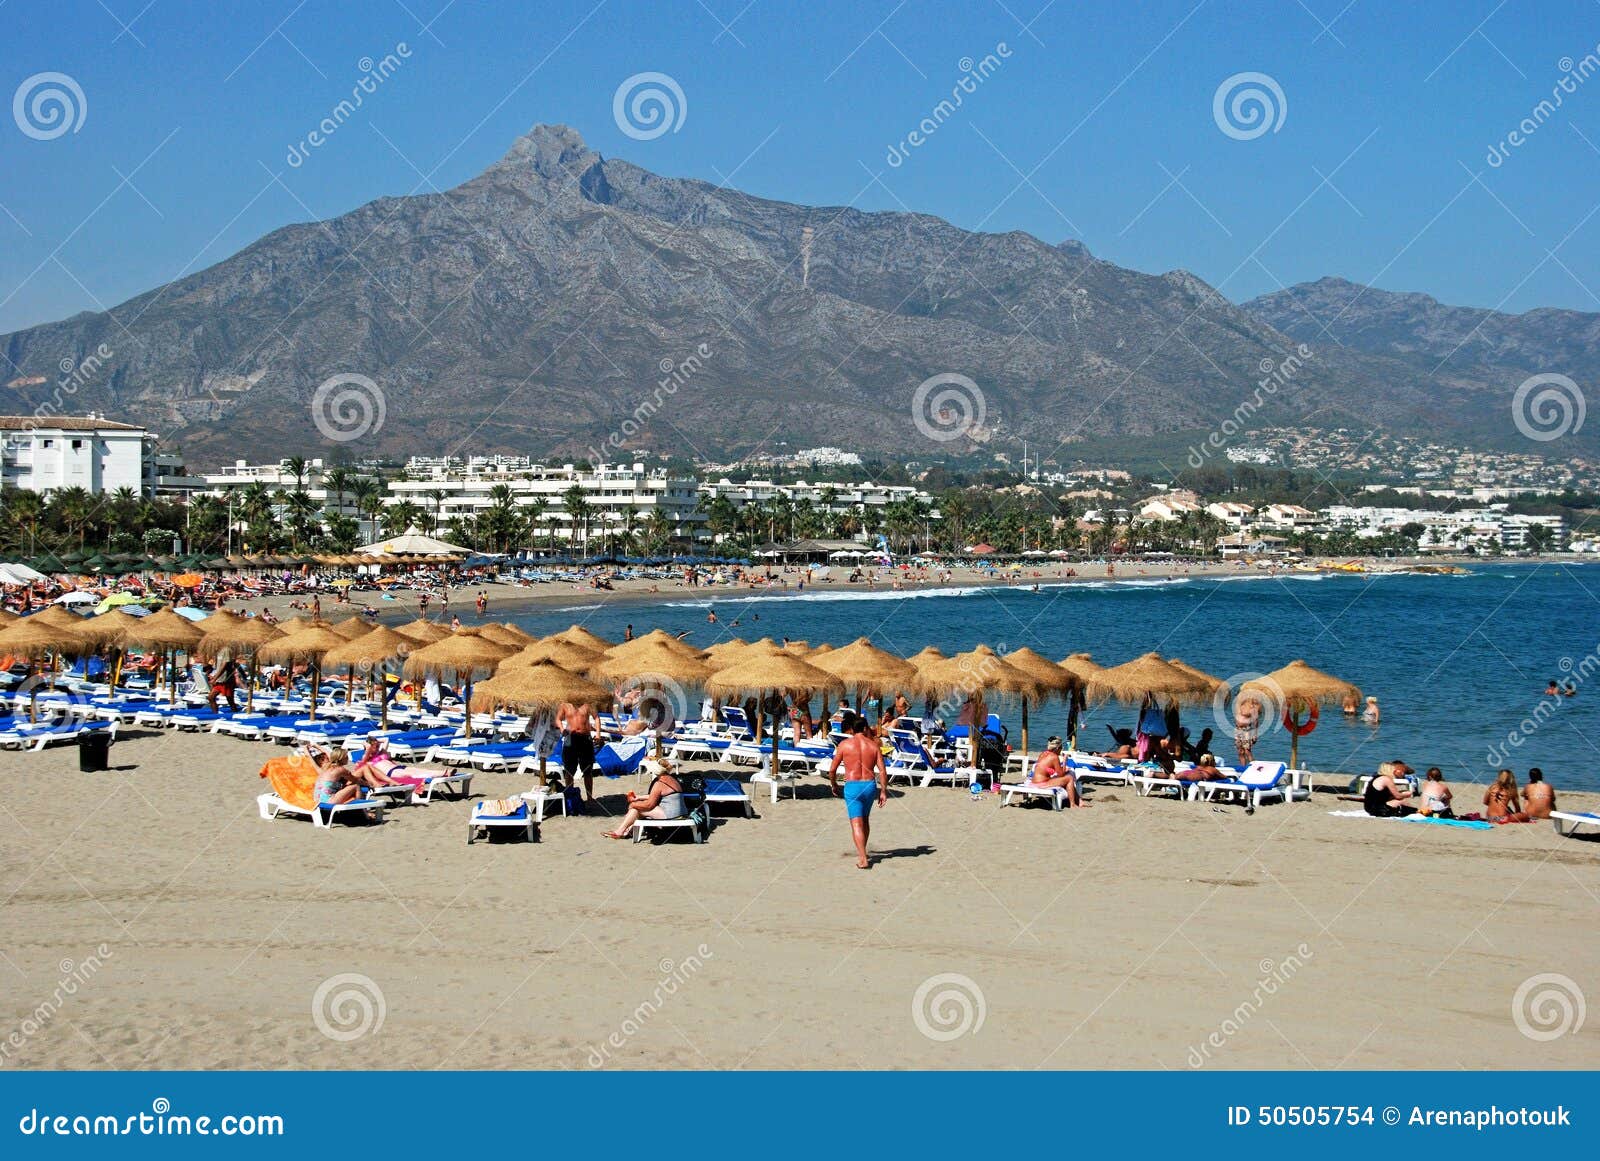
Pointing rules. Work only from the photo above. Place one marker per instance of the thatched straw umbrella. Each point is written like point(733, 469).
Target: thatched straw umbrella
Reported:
point(725, 652)
point(658, 667)
point(654, 640)
point(1298, 689)
point(864, 666)
point(351, 627)
point(462, 655)
point(518, 632)
point(1083, 667)
point(1051, 678)
point(538, 688)
point(169, 633)
point(1215, 683)
point(372, 650)
point(501, 635)
point(309, 645)
point(566, 654)
point(975, 673)
point(424, 631)
point(31, 637)
point(246, 637)
point(1149, 674)
point(581, 636)
point(762, 670)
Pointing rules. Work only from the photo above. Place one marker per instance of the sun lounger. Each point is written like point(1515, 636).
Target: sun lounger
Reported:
point(789, 754)
point(271, 806)
point(459, 781)
point(1257, 783)
point(912, 761)
point(1569, 824)
point(35, 737)
point(1094, 768)
point(484, 819)
point(1009, 791)
point(723, 791)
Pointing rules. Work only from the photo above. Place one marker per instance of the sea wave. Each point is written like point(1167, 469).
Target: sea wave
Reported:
point(834, 595)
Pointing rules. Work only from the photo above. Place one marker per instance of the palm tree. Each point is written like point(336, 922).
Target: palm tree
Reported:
point(297, 469)
point(437, 496)
point(369, 501)
point(398, 517)
point(578, 509)
point(25, 510)
point(337, 481)
point(75, 508)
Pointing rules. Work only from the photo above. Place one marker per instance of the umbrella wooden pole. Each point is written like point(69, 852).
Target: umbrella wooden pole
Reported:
point(1294, 751)
point(774, 747)
point(1024, 736)
point(316, 688)
point(349, 684)
point(468, 723)
point(383, 698)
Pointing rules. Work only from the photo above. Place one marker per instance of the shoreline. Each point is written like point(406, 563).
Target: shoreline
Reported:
point(509, 598)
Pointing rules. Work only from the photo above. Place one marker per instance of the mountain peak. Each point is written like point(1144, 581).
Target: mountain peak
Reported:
point(551, 151)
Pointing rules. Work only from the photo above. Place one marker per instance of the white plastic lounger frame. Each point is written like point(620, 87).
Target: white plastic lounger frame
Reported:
point(271, 806)
point(1009, 790)
point(645, 825)
point(478, 820)
point(1567, 824)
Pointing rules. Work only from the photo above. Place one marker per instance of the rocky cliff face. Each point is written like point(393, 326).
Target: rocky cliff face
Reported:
point(560, 302)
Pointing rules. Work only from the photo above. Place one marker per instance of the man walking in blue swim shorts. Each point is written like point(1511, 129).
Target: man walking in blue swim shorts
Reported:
point(865, 779)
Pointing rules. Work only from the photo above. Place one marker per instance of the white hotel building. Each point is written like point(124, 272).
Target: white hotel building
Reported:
point(90, 452)
point(618, 495)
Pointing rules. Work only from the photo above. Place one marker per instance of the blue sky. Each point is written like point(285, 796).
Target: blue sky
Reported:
point(1098, 125)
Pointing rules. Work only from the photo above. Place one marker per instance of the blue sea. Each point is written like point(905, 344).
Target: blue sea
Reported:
point(1459, 664)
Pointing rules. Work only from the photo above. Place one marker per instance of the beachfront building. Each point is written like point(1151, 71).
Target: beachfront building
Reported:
point(830, 498)
point(1231, 513)
point(311, 476)
point(90, 452)
point(612, 501)
point(1465, 529)
point(1169, 507)
point(1288, 518)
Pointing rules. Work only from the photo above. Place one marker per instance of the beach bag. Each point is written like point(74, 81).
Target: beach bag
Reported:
point(991, 754)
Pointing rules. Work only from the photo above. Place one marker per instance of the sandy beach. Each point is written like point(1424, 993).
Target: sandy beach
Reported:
point(1139, 933)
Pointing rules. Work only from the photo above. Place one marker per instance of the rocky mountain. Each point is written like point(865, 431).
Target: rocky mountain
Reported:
point(561, 303)
point(1485, 351)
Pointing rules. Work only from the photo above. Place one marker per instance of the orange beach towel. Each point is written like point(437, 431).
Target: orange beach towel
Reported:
point(294, 779)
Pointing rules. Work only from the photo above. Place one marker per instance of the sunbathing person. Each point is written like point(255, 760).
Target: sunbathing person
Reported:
point(1205, 770)
point(378, 768)
point(663, 800)
point(1501, 802)
point(1538, 797)
point(1049, 774)
point(1384, 796)
point(335, 783)
point(1436, 795)
point(1123, 748)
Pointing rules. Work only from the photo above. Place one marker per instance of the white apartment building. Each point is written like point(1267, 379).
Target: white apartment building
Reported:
point(91, 452)
point(823, 497)
point(618, 495)
point(1477, 528)
point(1231, 513)
point(241, 474)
